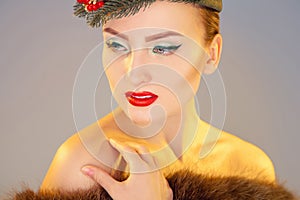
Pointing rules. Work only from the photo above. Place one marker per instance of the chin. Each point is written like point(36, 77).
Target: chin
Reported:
point(139, 116)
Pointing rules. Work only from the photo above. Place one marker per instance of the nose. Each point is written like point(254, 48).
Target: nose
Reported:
point(136, 67)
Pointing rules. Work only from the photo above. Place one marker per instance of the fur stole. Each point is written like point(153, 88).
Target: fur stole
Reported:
point(186, 185)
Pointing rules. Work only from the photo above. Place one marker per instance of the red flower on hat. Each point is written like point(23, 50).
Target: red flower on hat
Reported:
point(91, 5)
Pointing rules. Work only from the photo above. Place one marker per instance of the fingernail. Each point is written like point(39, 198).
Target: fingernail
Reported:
point(87, 171)
point(116, 145)
point(113, 143)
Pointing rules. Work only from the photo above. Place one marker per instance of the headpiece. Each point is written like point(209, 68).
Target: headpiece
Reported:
point(97, 12)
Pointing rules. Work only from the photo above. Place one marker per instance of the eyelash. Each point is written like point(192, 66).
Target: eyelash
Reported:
point(116, 47)
point(165, 50)
point(162, 50)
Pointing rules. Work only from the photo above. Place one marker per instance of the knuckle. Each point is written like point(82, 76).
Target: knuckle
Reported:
point(128, 149)
point(143, 149)
point(98, 178)
point(138, 147)
point(170, 193)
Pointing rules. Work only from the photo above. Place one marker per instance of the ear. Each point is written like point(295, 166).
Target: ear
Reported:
point(214, 53)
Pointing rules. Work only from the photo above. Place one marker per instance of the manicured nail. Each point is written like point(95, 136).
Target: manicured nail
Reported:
point(87, 171)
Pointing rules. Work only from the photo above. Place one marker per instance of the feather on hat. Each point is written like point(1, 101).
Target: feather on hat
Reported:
point(98, 12)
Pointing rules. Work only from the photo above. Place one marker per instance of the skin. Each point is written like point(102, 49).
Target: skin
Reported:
point(73, 167)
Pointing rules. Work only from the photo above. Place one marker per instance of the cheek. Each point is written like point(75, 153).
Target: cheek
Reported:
point(189, 84)
point(189, 75)
point(114, 76)
point(114, 69)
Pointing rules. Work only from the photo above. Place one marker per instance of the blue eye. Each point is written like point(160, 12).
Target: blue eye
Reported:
point(165, 50)
point(115, 46)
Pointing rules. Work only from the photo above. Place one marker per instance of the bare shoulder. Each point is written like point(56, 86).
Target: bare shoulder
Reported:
point(65, 170)
point(249, 155)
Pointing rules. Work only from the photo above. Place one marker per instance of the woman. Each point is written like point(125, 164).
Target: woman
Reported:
point(153, 58)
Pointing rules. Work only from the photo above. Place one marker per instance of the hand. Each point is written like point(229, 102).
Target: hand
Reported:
point(143, 183)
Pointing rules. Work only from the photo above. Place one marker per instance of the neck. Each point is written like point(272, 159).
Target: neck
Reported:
point(180, 135)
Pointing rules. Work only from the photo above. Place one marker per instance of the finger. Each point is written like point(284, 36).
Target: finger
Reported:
point(136, 163)
point(170, 194)
point(138, 147)
point(102, 177)
point(143, 152)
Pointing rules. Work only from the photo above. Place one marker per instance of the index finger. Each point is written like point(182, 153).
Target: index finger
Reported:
point(132, 157)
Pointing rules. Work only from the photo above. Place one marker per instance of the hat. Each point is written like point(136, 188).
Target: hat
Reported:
point(98, 12)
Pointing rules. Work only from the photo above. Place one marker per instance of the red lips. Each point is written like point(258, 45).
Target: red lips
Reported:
point(143, 98)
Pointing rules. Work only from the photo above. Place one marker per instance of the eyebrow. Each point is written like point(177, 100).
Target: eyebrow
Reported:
point(148, 38)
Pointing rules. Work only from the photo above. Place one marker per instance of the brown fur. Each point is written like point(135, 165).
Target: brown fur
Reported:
point(186, 186)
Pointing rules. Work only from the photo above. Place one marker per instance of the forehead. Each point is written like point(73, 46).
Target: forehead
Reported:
point(162, 15)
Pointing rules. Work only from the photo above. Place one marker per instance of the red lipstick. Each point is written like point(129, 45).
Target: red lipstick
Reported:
point(143, 98)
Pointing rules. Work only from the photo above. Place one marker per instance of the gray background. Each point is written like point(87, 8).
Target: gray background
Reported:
point(42, 46)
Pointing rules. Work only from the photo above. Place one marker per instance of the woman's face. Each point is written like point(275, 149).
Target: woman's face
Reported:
point(155, 58)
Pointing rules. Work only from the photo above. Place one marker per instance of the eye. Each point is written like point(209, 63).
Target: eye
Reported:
point(115, 46)
point(165, 50)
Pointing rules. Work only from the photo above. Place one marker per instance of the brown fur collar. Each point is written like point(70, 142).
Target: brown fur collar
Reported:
point(186, 186)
